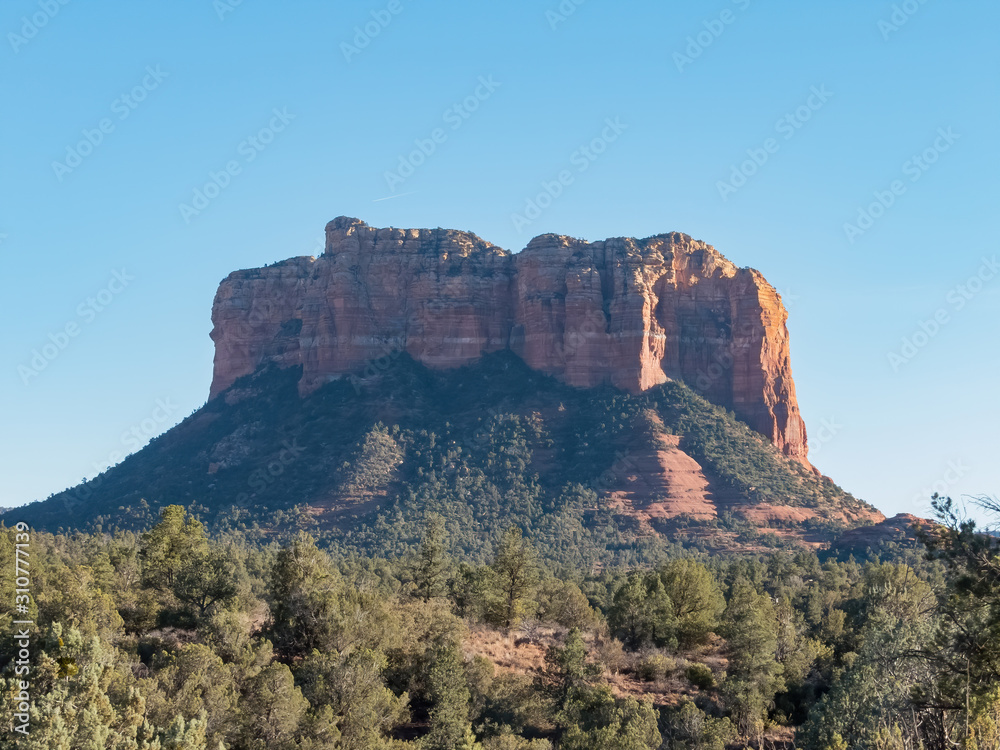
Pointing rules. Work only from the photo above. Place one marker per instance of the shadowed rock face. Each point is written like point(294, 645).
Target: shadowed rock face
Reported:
point(632, 313)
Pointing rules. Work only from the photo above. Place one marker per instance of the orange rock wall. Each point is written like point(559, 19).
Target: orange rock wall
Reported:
point(629, 312)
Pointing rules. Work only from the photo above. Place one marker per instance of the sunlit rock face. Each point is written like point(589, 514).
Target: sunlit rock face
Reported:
point(629, 312)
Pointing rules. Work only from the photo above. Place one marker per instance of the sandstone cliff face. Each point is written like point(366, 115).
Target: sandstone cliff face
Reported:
point(629, 312)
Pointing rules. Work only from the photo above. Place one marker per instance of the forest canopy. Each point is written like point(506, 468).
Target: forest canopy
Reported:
point(174, 637)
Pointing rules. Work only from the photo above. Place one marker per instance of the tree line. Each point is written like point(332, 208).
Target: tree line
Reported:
point(172, 638)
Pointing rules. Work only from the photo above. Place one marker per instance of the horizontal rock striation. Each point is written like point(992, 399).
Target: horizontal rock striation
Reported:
point(629, 312)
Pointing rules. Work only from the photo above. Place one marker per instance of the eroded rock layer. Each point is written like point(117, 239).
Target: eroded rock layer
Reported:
point(629, 312)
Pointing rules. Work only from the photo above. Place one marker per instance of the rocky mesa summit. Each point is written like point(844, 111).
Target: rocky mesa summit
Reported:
point(632, 313)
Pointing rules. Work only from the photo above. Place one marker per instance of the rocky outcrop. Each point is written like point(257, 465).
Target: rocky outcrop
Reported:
point(901, 529)
point(632, 313)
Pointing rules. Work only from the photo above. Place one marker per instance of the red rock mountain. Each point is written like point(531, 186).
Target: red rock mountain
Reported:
point(629, 312)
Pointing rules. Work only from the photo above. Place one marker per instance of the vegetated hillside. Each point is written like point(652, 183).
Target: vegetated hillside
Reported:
point(595, 475)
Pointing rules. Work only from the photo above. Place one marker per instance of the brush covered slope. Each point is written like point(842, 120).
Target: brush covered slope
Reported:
point(596, 476)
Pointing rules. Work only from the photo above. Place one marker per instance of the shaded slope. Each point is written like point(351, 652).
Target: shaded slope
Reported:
point(362, 461)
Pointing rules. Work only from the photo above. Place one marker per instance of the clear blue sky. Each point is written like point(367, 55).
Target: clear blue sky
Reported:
point(181, 87)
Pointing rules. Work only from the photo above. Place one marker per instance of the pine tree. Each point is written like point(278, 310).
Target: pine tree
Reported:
point(171, 545)
point(184, 735)
point(642, 613)
point(432, 565)
point(515, 564)
point(449, 694)
point(274, 708)
point(569, 666)
point(353, 686)
point(696, 598)
point(213, 577)
point(304, 589)
point(751, 633)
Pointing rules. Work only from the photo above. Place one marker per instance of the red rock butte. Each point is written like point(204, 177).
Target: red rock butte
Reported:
point(629, 312)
